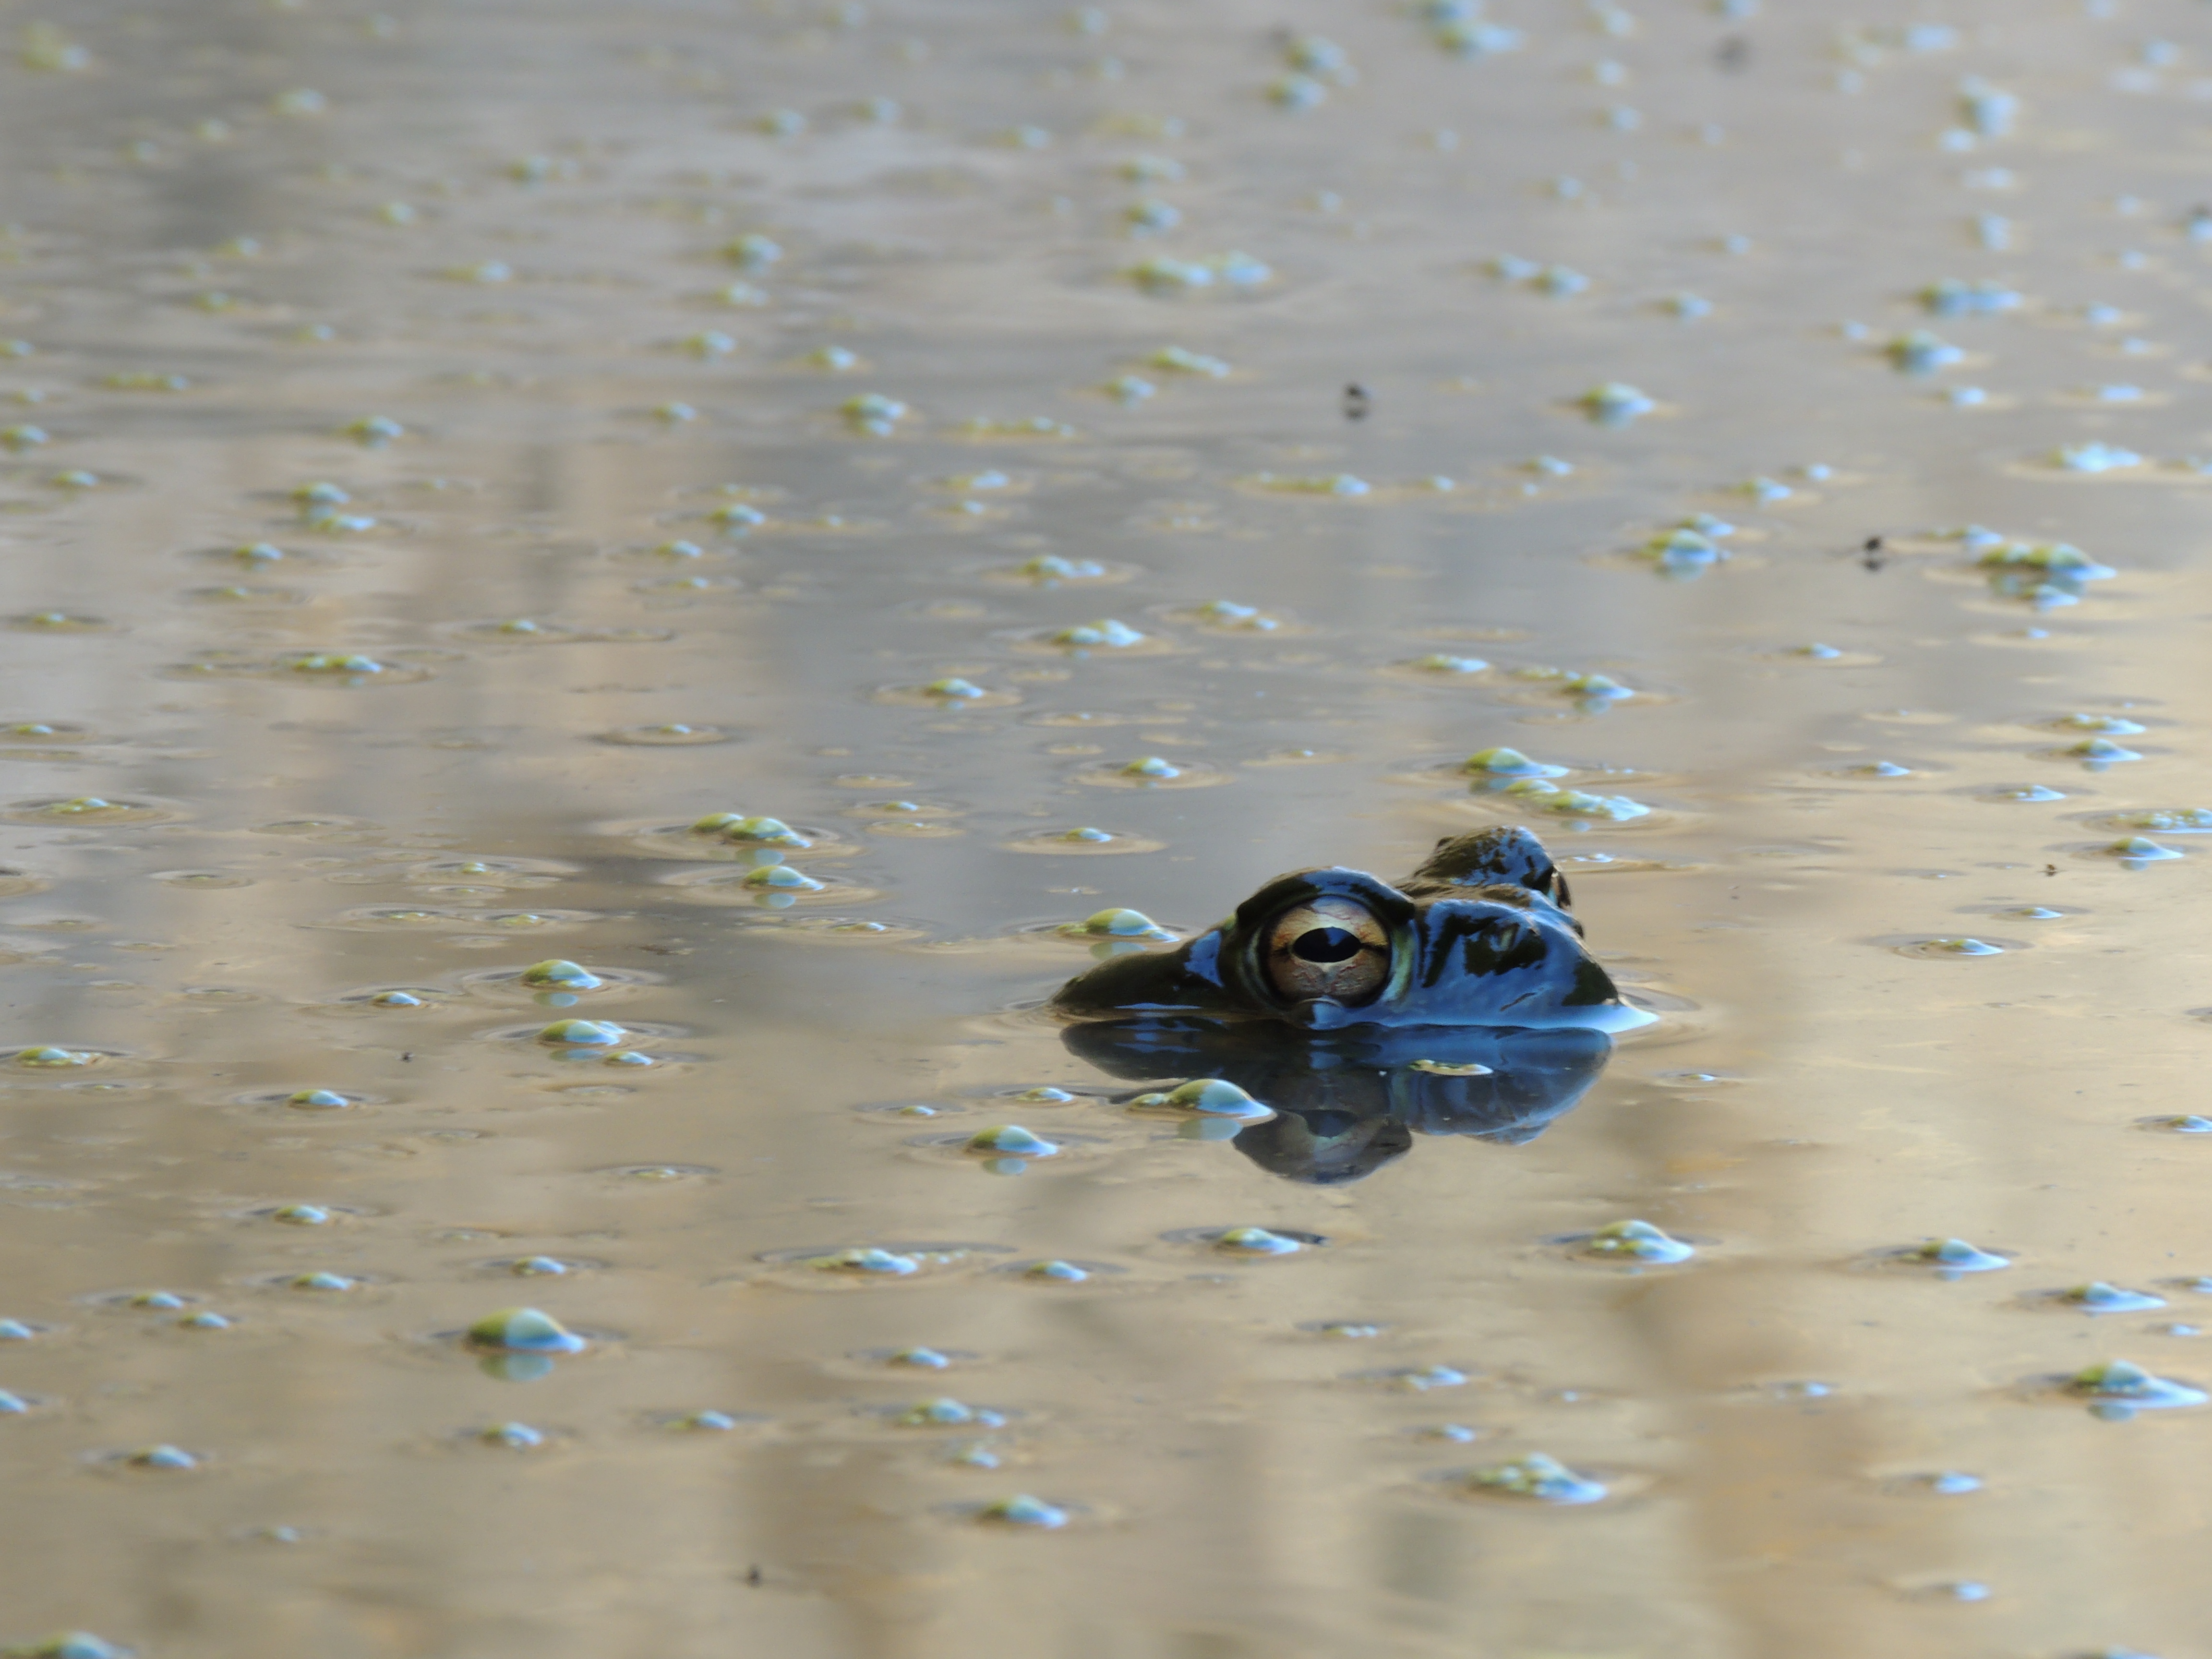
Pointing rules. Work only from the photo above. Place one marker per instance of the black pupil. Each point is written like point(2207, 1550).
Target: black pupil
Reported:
point(1326, 944)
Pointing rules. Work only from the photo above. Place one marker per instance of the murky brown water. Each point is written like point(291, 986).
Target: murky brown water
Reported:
point(350, 795)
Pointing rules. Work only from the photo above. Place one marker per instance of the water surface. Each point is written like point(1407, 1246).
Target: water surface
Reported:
point(530, 338)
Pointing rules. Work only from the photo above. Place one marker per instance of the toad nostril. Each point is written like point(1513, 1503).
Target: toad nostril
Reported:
point(1326, 944)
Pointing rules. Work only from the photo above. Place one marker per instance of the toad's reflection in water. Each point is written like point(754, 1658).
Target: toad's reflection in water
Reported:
point(1479, 935)
point(1349, 1101)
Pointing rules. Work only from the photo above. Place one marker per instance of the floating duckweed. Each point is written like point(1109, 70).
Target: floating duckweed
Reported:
point(585, 1033)
point(1442, 662)
point(1538, 1475)
point(779, 878)
point(1023, 1510)
point(931, 1413)
point(755, 831)
point(1474, 38)
point(2124, 1381)
point(519, 1436)
point(328, 662)
point(1922, 353)
point(1120, 924)
point(1615, 404)
point(1106, 632)
point(1152, 215)
point(163, 1456)
point(1050, 568)
point(1182, 361)
point(753, 252)
point(302, 1215)
point(921, 1359)
point(1149, 169)
point(1595, 688)
point(321, 1100)
point(1217, 1097)
point(1636, 1240)
point(866, 1260)
point(145, 380)
point(1576, 803)
point(1420, 1380)
point(321, 1281)
point(1231, 269)
point(1323, 484)
point(1962, 947)
point(556, 971)
point(1152, 766)
point(160, 1301)
point(1256, 1240)
point(2103, 749)
point(2098, 1297)
point(1062, 1273)
point(1011, 1139)
point(1956, 1255)
point(1985, 109)
point(50, 1056)
point(2140, 849)
point(2095, 458)
point(525, 1330)
point(1035, 426)
point(1953, 298)
point(1684, 549)
point(872, 412)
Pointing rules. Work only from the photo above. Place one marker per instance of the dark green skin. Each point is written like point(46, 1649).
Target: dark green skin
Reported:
point(1479, 936)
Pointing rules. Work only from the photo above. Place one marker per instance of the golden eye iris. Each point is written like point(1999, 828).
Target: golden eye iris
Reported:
point(1332, 947)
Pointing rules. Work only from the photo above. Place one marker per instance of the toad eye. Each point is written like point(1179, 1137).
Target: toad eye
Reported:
point(1332, 947)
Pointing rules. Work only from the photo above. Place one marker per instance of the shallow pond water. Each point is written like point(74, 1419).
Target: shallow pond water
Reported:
point(596, 595)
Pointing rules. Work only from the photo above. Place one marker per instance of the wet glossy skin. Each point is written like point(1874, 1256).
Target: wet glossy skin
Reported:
point(1478, 936)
